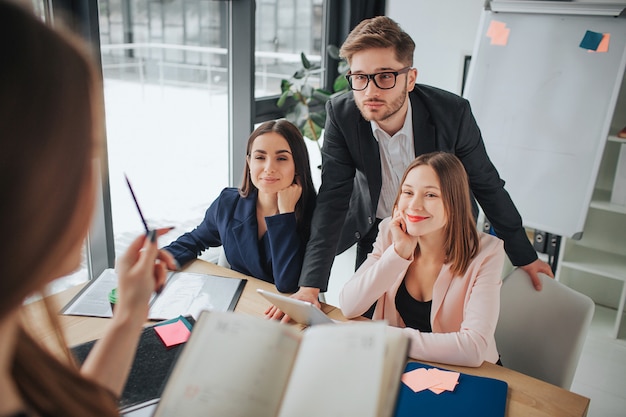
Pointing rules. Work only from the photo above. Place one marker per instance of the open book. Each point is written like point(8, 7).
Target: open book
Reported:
point(239, 365)
point(185, 294)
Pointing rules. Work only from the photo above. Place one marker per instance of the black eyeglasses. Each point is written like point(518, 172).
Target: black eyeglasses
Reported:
point(384, 80)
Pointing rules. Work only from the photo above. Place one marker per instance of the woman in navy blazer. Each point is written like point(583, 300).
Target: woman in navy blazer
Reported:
point(264, 225)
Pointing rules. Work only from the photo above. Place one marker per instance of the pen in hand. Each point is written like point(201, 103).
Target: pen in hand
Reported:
point(150, 234)
point(132, 193)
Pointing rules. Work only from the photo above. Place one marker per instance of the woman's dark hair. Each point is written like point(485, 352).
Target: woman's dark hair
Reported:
point(306, 204)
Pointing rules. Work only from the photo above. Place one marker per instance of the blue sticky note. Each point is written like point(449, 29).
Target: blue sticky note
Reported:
point(174, 320)
point(591, 40)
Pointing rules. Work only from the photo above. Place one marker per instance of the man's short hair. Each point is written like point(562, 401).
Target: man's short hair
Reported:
point(379, 32)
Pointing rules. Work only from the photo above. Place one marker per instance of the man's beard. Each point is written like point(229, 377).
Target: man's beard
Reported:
point(393, 108)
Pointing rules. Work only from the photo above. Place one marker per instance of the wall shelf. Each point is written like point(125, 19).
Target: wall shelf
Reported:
point(594, 263)
point(601, 200)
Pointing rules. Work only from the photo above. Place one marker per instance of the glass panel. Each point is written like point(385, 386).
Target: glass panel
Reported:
point(165, 73)
point(284, 29)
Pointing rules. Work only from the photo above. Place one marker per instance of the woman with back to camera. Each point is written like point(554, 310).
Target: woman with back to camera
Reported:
point(264, 225)
point(51, 124)
point(431, 272)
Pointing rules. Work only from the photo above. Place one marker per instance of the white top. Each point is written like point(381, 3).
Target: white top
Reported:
point(396, 153)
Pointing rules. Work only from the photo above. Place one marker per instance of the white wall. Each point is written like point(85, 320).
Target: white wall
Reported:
point(444, 32)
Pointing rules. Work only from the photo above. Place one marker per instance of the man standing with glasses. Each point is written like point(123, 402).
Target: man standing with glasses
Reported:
point(371, 136)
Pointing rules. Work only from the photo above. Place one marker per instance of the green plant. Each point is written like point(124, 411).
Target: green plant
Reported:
point(305, 105)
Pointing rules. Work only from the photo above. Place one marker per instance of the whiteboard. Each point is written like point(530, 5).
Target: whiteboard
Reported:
point(544, 106)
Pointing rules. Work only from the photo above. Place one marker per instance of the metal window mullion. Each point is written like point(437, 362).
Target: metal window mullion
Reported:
point(240, 83)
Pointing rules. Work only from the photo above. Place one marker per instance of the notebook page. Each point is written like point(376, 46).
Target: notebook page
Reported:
point(233, 365)
point(337, 372)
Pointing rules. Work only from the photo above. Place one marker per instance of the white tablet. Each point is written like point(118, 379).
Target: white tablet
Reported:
point(300, 311)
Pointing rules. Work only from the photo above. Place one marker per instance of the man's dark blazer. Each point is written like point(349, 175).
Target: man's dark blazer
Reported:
point(351, 177)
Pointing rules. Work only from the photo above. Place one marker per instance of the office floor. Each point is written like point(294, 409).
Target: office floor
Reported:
point(601, 372)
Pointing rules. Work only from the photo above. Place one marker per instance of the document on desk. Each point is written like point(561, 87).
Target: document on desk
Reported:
point(239, 365)
point(185, 294)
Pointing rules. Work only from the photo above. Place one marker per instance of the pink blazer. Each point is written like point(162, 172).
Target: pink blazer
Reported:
point(464, 308)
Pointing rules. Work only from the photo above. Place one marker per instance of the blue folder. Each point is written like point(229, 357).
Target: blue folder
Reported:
point(474, 396)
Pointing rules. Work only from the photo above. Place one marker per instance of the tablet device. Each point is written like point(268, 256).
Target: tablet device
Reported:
point(300, 311)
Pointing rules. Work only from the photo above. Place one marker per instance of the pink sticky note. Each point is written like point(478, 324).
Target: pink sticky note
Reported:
point(437, 390)
point(436, 380)
point(501, 38)
point(495, 27)
point(173, 334)
point(604, 43)
point(448, 380)
point(418, 379)
point(498, 32)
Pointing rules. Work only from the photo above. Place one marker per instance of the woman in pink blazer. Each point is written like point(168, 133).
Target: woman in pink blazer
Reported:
point(431, 273)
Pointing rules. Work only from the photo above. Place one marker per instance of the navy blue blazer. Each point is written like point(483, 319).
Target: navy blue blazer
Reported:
point(231, 222)
point(352, 179)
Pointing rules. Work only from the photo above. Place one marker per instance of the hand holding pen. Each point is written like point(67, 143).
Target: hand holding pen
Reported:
point(143, 268)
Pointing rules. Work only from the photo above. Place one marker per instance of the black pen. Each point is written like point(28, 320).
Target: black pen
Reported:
point(143, 220)
point(137, 204)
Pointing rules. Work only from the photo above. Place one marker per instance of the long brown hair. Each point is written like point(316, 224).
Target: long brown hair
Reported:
point(379, 32)
point(50, 120)
point(306, 203)
point(461, 236)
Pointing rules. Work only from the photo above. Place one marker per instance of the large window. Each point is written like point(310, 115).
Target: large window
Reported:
point(165, 68)
point(165, 72)
point(284, 29)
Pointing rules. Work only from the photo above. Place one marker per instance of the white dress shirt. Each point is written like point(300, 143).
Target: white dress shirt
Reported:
point(396, 153)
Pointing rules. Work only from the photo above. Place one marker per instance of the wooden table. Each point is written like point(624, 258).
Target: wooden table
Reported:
point(527, 396)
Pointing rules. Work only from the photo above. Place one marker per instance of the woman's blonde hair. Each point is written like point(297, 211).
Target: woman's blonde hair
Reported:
point(461, 236)
point(50, 122)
